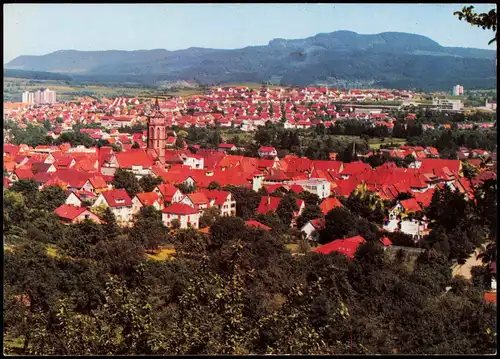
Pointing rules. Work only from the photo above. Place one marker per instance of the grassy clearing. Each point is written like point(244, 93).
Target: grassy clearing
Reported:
point(292, 247)
point(52, 250)
point(376, 142)
point(163, 254)
point(244, 136)
point(16, 86)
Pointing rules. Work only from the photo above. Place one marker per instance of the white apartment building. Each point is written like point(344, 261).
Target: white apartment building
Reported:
point(42, 96)
point(458, 90)
point(444, 104)
point(318, 186)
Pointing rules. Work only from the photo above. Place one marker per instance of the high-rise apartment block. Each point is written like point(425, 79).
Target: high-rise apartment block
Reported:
point(42, 96)
point(458, 90)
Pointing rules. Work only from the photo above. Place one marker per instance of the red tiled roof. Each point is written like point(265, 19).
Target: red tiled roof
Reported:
point(167, 191)
point(333, 166)
point(226, 145)
point(117, 198)
point(346, 246)
point(411, 205)
point(24, 173)
point(296, 188)
point(270, 204)
point(134, 158)
point(219, 197)
point(180, 208)
point(98, 182)
point(490, 297)
point(198, 198)
point(267, 149)
point(148, 198)
point(256, 224)
point(328, 204)
point(353, 168)
point(385, 241)
point(68, 211)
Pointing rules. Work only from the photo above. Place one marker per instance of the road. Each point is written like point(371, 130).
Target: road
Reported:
point(464, 270)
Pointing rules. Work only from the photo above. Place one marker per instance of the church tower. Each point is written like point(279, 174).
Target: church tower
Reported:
point(157, 132)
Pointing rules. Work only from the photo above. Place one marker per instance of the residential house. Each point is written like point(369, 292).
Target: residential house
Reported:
point(187, 216)
point(270, 204)
point(95, 185)
point(319, 186)
point(70, 214)
point(347, 246)
point(169, 193)
point(222, 200)
point(227, 147)
point(196, 200)
point(329, 204)
point(77, 198)
point(119, 202)
point(267, 151)
point(312, 228)
point(146, 199)
point(256, 224)
point(402, 218)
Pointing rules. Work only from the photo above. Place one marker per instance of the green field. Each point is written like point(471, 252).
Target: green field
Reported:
point(228, 135)
point(14, 87)
point(165, 253)
point(376, 142)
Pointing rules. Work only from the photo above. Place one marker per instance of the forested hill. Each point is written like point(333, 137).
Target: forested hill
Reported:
point(341, 58)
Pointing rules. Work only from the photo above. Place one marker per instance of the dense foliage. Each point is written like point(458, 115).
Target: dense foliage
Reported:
point(99, 289)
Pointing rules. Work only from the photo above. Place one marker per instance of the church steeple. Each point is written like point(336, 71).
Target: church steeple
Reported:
point(157, 131)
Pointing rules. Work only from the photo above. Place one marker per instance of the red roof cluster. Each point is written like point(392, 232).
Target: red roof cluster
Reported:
point(346, 246)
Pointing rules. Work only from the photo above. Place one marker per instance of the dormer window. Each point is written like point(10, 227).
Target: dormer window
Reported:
point(120, 200)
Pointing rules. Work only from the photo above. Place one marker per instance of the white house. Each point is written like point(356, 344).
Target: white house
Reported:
point(146, 199)
point(188, 216)
point(169, 193)
point(119, 202)
point(196, 200)
point(194, 161)
point(318, 186)
point(399, 220)
point(267, 151)
point(222, 200)
point(96, 185)
point(311, 229)
point(76, 198)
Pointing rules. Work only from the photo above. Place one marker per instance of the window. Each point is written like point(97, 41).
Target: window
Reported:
point(87, 216)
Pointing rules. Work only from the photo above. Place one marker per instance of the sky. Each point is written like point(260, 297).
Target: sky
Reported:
point(39, 29)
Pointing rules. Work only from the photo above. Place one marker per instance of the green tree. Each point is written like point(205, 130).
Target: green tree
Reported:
point(51, 197)
point(483, 20)
point(246, 200)
point(210, 215)
point(286, 209)
point(110, 226)
point(148, 183)
point(127, 180)
point(310, 212)
point(28, 189)
point(148, 229)
point(214, 186)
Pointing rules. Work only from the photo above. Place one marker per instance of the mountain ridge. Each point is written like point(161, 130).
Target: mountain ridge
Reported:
point(345, 56)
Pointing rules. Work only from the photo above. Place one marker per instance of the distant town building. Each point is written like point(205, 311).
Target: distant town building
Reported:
point(458, 90)
point(491, 105)
point(448, 105)
point(42, 96)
